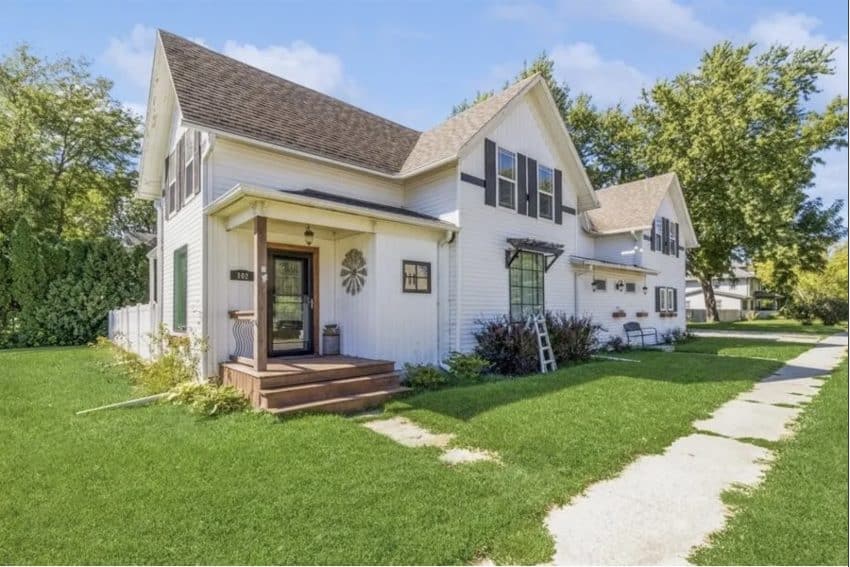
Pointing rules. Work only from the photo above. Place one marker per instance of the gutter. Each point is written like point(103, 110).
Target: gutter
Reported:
point(241, 191)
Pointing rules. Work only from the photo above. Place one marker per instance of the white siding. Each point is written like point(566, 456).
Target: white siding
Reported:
point(235, 163)
point(483, 277)
point(435, 195)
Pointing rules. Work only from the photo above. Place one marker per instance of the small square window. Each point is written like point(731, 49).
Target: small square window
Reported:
point(416, 276)
point(599, 285)
point(630, 287)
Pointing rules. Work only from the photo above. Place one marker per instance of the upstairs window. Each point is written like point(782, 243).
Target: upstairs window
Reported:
point(526, 285)
point(507, 178)
point(545, 192)
point(171, 182)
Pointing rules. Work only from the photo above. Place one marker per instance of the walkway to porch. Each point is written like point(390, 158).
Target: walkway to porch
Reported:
point(315, 383)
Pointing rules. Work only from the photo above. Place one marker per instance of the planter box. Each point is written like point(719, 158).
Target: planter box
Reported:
point(641, 314)
point(618, 314)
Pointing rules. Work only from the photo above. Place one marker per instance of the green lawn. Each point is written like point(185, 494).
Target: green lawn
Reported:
point(156, 485)
point(755, 348)
point(798, 516)
point(772, 326)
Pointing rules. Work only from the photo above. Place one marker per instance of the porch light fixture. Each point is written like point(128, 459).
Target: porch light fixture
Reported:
point(308, 236)
point(620, 285)
point(645, 289)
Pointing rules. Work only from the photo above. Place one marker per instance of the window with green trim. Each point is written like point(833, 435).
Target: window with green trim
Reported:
point(180, 276)
point(527, 273)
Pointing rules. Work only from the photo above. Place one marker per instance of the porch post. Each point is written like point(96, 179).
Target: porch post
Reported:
point(260, 294)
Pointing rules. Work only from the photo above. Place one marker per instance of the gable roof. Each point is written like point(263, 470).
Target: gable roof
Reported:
point(632, 206)
point(446, 139)
point(226, 95)
point(220, 93)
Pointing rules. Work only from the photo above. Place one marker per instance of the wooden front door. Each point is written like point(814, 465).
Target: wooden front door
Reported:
point(291, 303)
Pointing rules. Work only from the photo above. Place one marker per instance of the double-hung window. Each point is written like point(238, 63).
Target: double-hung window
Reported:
point(171, 182)
point(545, 192)
point(507, 178)
point(527, 274)
point(666, 299)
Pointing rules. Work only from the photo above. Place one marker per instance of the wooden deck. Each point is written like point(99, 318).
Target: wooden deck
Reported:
point(315, 383)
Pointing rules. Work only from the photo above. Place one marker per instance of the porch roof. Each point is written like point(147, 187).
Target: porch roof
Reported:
point(243, 197)
point(594, 262)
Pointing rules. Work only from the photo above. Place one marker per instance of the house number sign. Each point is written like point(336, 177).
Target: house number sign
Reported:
point(242, 275)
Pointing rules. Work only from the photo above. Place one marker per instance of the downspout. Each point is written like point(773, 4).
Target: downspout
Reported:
point(447, 241)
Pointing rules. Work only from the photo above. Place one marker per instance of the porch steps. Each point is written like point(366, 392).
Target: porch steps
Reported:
point(313, 384)
point(345, 404)
point(331, 389)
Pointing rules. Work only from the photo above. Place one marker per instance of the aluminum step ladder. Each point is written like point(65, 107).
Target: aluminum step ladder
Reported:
point(544, 345)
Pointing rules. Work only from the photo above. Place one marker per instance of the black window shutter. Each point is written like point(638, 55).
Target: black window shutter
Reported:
point(196, 146)
point(665, 233)
point(657, 299)
point(181, 173)
point(652, 236)
point(532, 188)
point(559, 196)
point(490, 173)
point(676, 226)
point(522, 184)
point(675, 299)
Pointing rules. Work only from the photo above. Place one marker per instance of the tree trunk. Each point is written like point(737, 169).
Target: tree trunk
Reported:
point(710, 303)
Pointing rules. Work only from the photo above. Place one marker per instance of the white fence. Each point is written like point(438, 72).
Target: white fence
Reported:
point(130, 327)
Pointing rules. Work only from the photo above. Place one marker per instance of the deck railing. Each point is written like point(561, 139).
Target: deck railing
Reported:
point(244, 325)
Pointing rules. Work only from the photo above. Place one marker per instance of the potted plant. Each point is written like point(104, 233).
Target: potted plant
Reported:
point(330, 339)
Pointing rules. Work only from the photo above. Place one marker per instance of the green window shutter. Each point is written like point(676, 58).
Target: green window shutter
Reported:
point(180, 277)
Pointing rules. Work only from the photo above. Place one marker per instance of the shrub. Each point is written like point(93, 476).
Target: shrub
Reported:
point(573, 338)
point(799, 310)
point(207, 399)
point(425, 376)
point(509, 346)
point(830, 310)
point(465, 368)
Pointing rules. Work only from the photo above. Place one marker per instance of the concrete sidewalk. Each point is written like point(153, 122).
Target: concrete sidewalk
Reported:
point(662, 506)
point(781, 337)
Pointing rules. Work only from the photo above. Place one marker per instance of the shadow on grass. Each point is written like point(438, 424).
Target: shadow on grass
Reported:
point(466, 402)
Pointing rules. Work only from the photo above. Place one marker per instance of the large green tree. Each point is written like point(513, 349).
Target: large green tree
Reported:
point(68, 153)
point(739, 133)
point(68, 150)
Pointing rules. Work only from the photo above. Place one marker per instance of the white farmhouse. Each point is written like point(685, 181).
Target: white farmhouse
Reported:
point(283, 210)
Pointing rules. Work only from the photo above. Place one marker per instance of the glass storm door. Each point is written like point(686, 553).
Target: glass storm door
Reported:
point(291, 305)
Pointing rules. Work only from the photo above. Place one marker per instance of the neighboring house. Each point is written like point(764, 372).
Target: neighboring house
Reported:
point(737, 294)
point(282, 210)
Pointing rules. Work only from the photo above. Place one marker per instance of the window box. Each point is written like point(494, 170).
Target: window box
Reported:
point(668, 314)
point(641, 314)
point(618, 314)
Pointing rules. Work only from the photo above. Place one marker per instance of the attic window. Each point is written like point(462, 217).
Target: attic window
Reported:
point(507, 178)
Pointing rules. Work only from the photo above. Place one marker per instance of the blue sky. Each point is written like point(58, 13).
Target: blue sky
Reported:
point(411, 61)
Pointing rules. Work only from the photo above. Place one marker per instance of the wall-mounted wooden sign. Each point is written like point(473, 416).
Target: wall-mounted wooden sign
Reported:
point(242, 275)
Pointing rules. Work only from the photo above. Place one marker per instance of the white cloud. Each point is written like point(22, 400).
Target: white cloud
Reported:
point(665, 17)
point(798, 30)
point(132, 55)
point(608, 81)
point(299, 62)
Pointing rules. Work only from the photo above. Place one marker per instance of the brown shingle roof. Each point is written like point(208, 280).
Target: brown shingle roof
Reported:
point(630, 205)
point(227, 95)
point(447, 138)
point(224, 94)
